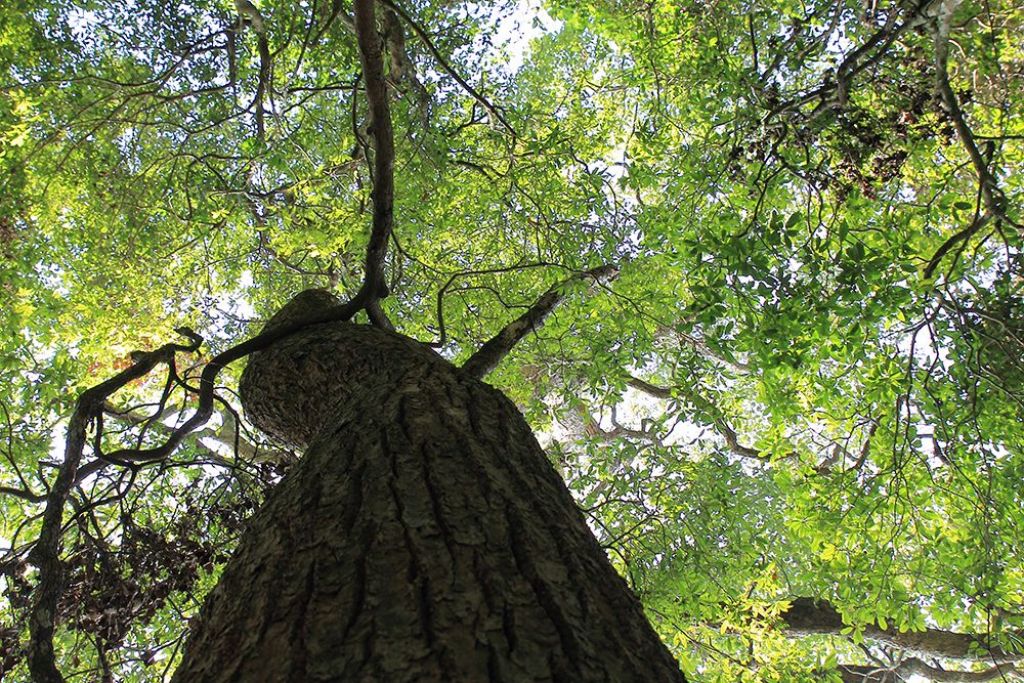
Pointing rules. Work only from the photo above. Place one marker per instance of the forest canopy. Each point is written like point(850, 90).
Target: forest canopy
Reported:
point(784, 380)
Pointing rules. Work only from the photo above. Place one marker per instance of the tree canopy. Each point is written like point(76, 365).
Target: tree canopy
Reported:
point(786, 377)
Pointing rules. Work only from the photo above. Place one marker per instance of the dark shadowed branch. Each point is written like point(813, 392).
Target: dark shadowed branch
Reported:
point(25, 494)
point(46, 553)
point(493, 351)
point(384, 150)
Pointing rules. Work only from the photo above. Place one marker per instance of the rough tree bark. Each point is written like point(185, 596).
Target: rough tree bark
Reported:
point(424, 536)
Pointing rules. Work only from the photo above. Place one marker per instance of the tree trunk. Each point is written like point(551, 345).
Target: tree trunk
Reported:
point(424, 536)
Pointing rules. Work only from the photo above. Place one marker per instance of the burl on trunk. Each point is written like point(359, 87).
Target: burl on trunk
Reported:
point(424, 536)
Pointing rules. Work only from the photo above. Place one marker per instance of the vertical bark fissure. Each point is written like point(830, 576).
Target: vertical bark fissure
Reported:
point(561, 544)
point(423, 450)
point(494, 535)
point(272, 596)
point(299, 653)
point(515, 525)
point(486, 489)
point(540, 587)
point(418, 572)
point(566, 547)
point(508, 627)
point(434, 497)
point(363, 542)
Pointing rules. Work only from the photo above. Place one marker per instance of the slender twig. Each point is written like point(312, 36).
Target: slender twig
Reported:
point(442, 333)
point(721, 426)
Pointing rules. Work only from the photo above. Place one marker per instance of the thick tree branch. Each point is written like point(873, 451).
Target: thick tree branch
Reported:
point(443, 291)
point(865, 673)
point(913, 665)
point(384, 150)
point(263, 86)
point(493, 351)
point(989, 187)
point(337, 11)
point(807, 616)
point(401, 69)
point(733, 442)
point(648, 388)
point(249, 15)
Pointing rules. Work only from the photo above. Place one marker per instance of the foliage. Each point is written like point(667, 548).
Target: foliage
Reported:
point(806, 381)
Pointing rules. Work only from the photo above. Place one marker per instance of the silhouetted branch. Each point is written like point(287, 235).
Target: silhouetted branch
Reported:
point(384, 149)
point(46, 553)
point(493, 351)
point(24, 494)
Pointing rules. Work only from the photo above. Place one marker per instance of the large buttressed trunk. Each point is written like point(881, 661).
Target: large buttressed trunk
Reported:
point(424, 536)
